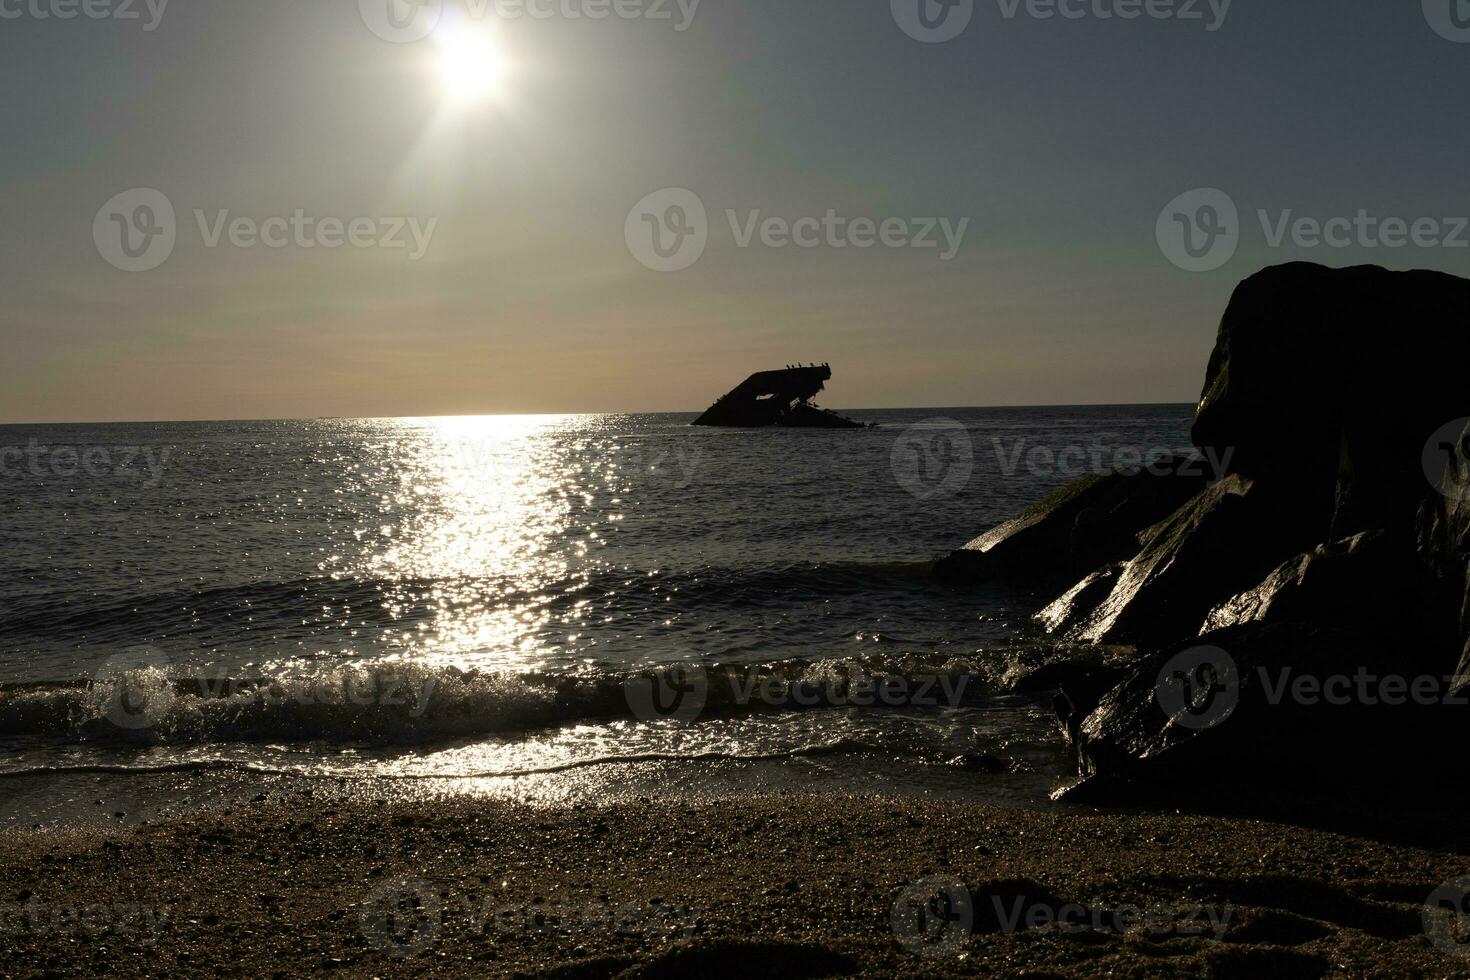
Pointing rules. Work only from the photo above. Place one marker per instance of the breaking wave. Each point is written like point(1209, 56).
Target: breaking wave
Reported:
point(406, 704)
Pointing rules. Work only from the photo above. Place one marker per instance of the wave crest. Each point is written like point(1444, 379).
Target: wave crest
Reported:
point(407, 704)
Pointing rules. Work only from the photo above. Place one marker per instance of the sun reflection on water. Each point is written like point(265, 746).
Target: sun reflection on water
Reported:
point(477, 502)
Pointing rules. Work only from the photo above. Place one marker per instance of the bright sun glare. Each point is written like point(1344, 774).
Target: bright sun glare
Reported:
point(469, 65)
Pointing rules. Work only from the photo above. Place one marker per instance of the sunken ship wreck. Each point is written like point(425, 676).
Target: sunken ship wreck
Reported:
point(781, 398)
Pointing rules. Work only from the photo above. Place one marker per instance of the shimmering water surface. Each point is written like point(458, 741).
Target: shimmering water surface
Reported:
point(467, 597)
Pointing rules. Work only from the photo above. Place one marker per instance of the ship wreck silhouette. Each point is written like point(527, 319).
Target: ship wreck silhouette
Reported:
point(781, 398)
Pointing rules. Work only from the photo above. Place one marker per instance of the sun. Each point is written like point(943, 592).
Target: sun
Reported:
point(469, 64)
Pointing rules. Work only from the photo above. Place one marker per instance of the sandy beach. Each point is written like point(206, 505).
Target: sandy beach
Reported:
point(779, 885)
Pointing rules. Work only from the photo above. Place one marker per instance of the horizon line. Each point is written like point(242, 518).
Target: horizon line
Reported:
point(693, 412)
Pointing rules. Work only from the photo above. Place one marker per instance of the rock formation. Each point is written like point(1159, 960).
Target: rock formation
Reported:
point(1335, 546)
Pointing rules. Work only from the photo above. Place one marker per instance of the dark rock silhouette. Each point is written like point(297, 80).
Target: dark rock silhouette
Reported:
point(1337, 543)
point(1364, 578)
point(1335, 378)
point(1088, 523)
point(1219, 543)
point(1334, 742)
point(778, 398)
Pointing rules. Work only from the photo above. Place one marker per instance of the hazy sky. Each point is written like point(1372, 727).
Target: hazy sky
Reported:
point(1061, 139)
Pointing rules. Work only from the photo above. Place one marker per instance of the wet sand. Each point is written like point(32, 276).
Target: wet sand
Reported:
point(792, 885)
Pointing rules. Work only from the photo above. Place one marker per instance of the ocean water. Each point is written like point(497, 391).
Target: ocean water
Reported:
point(504, 597)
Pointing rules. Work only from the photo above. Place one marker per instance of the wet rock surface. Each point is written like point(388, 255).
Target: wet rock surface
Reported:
point(1088, 523)
point(1216, 544)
